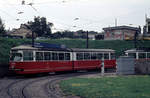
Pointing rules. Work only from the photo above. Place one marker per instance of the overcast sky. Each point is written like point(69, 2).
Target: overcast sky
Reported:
point(76, 14)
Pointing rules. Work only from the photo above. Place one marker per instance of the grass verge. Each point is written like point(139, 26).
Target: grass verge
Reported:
point(108, 87)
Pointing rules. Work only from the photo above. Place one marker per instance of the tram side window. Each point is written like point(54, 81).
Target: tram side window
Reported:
point(132, 55)
point(54, 56)
point(79, 56)
point(106, 56)
point(61, 56)
point(112, 56)
point(99, 56)
point(142, 55)
point(67, 56)
point(148, 55)
point(87, 56)
point(39, 56)
point(47, 56)
point(27, 55)
point(93, 56)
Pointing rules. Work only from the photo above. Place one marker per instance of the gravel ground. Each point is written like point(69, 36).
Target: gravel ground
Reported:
point(37, 86)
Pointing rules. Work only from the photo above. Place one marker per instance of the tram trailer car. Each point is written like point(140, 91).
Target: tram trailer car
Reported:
point(139, 54)
point(25, 59)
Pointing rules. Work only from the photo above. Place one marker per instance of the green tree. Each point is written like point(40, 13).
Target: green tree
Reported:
point(2, 27)
point(40, 26)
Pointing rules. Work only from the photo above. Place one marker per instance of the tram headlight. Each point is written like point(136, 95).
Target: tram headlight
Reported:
point(12, 66)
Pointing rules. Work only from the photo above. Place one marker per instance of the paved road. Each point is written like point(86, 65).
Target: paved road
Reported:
point(35, 86)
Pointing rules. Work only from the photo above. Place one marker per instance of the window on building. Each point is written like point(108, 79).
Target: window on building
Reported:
point(67, 56)
point(79, 56)
point(142, 55)
point(54, 56)
point(106, 56)
point(39, 56)
point(93, 56)
point(61, 56)
point(87, 56)
point(47, 55)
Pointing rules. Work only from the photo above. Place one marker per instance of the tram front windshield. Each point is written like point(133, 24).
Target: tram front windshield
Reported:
point(16, 57)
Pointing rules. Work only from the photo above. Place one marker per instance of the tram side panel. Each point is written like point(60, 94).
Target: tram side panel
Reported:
point(81, 65)
point(30, 67)
point(61, 65)
point(110, 63)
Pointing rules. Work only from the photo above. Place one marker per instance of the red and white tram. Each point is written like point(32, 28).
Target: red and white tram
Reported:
point(139, 54)
point(25, 59)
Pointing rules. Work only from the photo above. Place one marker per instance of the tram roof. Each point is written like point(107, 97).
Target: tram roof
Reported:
point(29, 47)
point(24, 47)
point(135, 50)
point(92, 50)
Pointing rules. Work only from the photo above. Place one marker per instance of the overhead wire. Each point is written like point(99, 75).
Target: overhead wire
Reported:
point(8, 14)
point(18, 11)
point(62, 1)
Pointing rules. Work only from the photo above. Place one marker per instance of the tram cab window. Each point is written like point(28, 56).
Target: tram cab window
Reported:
point(132, 55)
point(87, 56)
point(112, 56)
point(67, 56)
point(15, 56)
point(39, 56)
point(99, 56)
point(27, 55)
point(61, 56)
point(106, 56)
point(148, 55)
point(79, 56)
point(142, 55)
point(47, 56)
point(93, 56)
point(54, 56)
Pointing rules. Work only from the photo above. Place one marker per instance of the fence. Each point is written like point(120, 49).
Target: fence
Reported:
point(142, 66)
point(125, 65)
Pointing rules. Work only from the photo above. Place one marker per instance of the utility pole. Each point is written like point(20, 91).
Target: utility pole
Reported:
point(135, 39)
point(87, 40)
point(32, 39)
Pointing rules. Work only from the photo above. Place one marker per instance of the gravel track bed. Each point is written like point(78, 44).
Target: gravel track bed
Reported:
point(36, 87)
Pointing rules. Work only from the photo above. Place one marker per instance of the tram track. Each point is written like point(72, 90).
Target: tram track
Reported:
point(18, 89)
point(52, 86)
point(9, 88)
point(31, 87)
point(5, 85)
point(37, 87)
